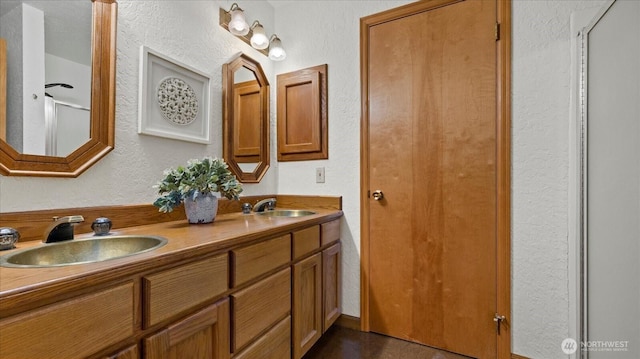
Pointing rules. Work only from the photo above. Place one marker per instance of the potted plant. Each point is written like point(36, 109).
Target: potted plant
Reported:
point(196, 185)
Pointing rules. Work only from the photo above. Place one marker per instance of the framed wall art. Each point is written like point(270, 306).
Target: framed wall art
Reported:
point(174, 99)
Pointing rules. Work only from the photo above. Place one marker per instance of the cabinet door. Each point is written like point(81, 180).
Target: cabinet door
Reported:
point(131, 352)
point(307, 304)
point(204, 334)
point(331, 286)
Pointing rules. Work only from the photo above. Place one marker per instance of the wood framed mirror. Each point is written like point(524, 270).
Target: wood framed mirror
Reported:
point(245, 122)
point(101, 113)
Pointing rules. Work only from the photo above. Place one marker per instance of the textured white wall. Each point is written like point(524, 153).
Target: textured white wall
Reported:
point(187, 31)
point(541, 114)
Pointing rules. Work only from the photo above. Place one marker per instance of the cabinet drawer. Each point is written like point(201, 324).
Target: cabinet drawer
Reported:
point(275, 344)
point(175, 290)
point(259, 306)
point(84, 325)
point(330, 232)
point(257, 259)
point(306, 241)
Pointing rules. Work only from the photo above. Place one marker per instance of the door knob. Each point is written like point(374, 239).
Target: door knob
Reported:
point(377, 195)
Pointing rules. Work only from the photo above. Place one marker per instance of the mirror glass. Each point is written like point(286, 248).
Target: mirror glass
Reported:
point(57, 99)
point(246, 119)
point(48, 47)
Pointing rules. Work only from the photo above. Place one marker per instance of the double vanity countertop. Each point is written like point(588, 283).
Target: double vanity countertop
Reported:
point(185, 241)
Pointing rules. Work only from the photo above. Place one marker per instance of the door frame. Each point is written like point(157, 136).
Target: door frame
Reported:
point(503, 159)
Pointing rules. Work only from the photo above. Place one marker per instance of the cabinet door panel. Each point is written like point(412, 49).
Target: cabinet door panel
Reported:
point(203, 335)
point(307, 304)
point(331, 291)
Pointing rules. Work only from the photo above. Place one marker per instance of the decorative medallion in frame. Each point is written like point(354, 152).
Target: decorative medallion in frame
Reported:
point(174, 99)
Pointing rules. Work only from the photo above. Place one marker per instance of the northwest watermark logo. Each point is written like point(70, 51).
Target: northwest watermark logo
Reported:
point(570, 346)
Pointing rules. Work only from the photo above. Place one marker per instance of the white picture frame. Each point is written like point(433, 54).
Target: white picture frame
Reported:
point(173, 99)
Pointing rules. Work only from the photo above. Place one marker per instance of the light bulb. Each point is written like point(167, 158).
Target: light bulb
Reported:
point(238, 25)
point(259, 40)
point(276, 52)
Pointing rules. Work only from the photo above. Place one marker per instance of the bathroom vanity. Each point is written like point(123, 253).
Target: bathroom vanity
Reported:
point(246, 286)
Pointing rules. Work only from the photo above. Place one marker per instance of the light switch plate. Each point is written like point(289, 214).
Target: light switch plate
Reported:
point(320, 175)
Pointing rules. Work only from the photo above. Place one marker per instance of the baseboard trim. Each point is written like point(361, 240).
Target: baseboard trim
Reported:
point(516, 356)
point(349, 322)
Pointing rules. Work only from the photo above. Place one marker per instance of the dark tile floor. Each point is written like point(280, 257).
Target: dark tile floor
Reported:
point(342, 343)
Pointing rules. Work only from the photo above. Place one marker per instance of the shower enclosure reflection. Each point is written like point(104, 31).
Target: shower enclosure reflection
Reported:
point(48, 81)
point(66, 127)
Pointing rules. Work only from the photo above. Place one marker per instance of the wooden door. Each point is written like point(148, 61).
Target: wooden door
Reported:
point(430, 187)
point(307, 304)
point(204, 334)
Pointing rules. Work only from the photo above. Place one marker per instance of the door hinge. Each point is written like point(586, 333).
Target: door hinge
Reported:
point(498, 319)
point(497, 31)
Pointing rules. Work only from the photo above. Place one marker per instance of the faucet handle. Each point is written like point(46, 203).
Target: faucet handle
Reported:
point(8, 238)
point(101, 226)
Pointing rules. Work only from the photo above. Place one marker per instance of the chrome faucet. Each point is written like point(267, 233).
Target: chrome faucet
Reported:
point(61, 229)
point(267, 203)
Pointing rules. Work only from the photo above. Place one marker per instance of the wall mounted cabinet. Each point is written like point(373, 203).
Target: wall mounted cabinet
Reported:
point(302, 115)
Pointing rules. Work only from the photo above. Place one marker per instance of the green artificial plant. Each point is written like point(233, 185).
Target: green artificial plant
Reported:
point(199, 177)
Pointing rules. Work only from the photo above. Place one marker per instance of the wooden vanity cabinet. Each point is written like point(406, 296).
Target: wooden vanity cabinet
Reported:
point(271, 298)
point(203, 335)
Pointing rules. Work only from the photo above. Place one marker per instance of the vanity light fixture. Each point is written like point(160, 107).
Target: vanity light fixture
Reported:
point(259, 39)
point(234, 21)
point(238, 25)
point(276, 52)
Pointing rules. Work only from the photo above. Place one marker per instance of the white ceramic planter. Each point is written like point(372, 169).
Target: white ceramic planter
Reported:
point(202, 209)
